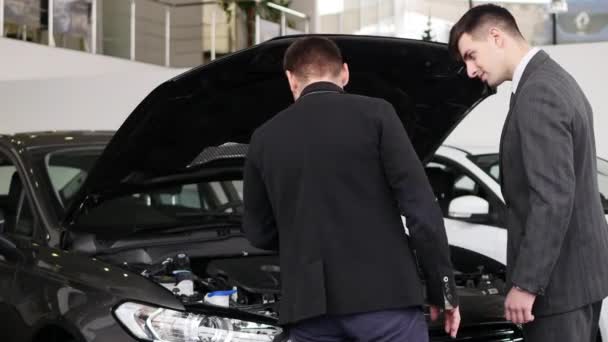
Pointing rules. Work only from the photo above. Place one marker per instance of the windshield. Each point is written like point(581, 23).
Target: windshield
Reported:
point(179, 205)
point(186, 202)
point(67, 169)
point(489, 164)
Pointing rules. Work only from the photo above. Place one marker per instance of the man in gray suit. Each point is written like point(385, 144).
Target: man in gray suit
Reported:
point(557, 253)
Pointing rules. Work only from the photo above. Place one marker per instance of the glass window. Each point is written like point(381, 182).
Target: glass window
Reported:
point(215, 195)
point(67, 171)
point(6, 172)
point(450, 180)
point(488, 163)
point(464, 183)
point(494, 171)
point(580, 21)
point(16, 209)
point(185, 204)
point(189, 196)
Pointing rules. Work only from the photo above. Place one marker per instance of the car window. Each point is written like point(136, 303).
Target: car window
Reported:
point(64, 178)
point(168, 206)
point(450, 180)
point(67, 170)
point(17, 212)
point(494, 171)
point(6, 172)
point(208, 196)
point(464, 183)
point(489, 163)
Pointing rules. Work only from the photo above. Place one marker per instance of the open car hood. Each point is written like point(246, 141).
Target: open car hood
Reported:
point(226, 100)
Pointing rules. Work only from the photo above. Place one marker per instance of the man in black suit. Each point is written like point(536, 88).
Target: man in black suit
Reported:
point(557, 248)
point(325, 183)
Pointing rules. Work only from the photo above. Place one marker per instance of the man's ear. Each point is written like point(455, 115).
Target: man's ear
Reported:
point(344, 75)
point(497, 36)
point(293, 81)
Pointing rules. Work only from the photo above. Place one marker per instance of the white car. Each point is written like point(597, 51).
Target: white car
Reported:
point(467, 187)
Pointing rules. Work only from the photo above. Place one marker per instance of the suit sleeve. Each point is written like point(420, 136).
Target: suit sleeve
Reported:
point(547, 148)
point(417, 203)
point(259, 224)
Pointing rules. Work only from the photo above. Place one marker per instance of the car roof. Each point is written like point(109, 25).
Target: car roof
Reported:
point(66, 138)
point(471, 150)
point(43, 139)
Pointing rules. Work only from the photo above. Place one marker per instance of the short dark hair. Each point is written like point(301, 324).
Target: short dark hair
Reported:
point(313, 56)
point(478, 17)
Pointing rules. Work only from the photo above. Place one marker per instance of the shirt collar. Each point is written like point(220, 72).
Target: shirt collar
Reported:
point(521, 67)
point(321, 87)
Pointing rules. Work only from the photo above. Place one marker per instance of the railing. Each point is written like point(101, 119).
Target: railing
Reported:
point(169, 8)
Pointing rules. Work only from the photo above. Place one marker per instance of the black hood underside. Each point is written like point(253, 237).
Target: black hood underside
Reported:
point(226, 100)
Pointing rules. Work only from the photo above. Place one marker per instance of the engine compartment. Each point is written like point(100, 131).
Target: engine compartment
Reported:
point(252, 284)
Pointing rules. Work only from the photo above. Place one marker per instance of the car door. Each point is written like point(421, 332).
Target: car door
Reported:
point(8, 267)
point(484, 235)
point(10, 197)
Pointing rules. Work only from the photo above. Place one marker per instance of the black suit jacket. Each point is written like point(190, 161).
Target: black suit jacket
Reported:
point(557, 233)
point(325, 182)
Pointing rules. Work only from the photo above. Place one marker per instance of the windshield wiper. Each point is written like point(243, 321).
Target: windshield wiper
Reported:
point(221, 216)
point(223, 234)
point(222, 228)
point(194, 221)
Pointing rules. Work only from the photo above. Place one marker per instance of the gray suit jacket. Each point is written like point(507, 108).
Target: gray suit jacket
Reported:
point(557, 233)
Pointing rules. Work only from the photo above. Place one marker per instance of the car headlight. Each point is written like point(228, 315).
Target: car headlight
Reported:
point(165, 325)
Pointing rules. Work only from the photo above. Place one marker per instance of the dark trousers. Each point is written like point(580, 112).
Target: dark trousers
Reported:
point(404, 325)
point(580, 325)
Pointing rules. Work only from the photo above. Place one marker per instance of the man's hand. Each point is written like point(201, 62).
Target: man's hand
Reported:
point(518, 306)
point(451, 319)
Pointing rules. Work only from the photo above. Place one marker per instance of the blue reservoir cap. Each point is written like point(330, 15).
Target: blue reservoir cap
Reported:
point(221, 293)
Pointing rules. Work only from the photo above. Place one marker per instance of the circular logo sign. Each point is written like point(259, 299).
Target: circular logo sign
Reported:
point(582, 21)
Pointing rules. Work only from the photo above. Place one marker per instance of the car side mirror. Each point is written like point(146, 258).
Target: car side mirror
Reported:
point(9, 250)
point(469, 208)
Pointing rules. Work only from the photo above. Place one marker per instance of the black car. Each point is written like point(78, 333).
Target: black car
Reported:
point(133, 236)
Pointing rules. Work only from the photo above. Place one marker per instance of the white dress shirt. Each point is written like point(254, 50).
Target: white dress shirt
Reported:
point(519, 71)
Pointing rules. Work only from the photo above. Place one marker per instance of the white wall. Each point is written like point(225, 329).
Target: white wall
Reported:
point(43, 88)
point(94, 102)
point(23, 60)
point(310, 8)
point(586, 62)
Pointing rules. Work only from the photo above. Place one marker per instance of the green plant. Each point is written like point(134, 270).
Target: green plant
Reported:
point(427, 35)
point(251, 8)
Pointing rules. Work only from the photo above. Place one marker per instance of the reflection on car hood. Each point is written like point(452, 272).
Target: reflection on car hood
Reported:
point(226, 100)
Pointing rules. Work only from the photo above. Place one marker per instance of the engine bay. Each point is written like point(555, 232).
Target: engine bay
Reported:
point(253, 283)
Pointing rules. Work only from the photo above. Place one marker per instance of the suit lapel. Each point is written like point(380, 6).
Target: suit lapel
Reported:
point(534, 64)
point(502, 141)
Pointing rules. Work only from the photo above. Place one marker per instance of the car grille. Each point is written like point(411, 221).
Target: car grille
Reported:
point(504, 332)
